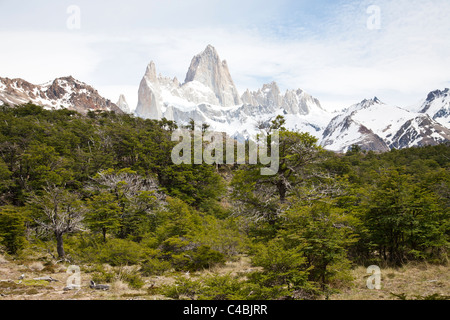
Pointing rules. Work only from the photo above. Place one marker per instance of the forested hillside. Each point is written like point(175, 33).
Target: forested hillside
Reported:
point(102, 189)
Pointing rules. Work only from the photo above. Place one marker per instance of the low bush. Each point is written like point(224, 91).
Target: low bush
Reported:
point(155, 267)
point(119, 252)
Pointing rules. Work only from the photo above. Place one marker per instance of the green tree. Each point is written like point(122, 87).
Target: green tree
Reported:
point(404, 220)
point(103, 214)
point(264, 197)
point(5, 181)
point(134, 198)
point(324, 233)
point(12, 229)
point(284, 265)
point(178, 219)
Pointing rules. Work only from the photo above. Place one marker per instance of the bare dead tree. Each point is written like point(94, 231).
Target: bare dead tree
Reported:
point(129, 183)
point(135, 194)
point(58, 212)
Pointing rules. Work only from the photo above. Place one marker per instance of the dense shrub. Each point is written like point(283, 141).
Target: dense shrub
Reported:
point(155, 267)
point(119, 252)
point(12, 229)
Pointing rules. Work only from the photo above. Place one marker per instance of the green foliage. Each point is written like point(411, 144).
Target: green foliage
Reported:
point(404, 220)
point(187, 256)
point(223, 236)
point(401, 199)
point(103, 214)
point(220, 288)
point(5, 180)
point(104, 277)
point(106, 183)
point(133, 279)
point(184, 288)
point(283, 265)
point(223, 288)
point(264, 197)
point(324, 233)
point(204, 257)
point(120, 252)
point(12, 229)
point(155, 267)
point(177, 220)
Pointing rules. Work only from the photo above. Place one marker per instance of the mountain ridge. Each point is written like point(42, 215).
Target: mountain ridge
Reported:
point(209, 95)
point(64, 92)
point(365, 124)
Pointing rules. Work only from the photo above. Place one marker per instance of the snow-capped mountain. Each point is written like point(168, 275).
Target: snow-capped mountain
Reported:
point(209, 95)
point(123, 104)
point(60, 93)
point(374, 125)
point(437, 106)
point(207, 69)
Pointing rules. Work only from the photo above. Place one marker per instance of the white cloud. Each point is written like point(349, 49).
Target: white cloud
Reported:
point(42, 56)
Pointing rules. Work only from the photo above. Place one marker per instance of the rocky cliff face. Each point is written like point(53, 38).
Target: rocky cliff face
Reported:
point(292, 101)
point(64, 92)
point(209, 95)
point(208, 81)
point(207, 69)
point(419, 132)
point(149, 96)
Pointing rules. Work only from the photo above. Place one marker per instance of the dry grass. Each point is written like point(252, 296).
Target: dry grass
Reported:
point(3, 260)
point(239, 267)
point(413, 280)
point(36, 266)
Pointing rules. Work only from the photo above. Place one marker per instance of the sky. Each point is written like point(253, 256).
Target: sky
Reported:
point(340, 52)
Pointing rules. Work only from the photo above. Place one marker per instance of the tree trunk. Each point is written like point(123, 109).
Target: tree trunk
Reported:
point(60, 245)
point(282, 190)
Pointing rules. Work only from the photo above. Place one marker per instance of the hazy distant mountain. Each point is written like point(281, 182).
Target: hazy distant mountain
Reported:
point(123, 104)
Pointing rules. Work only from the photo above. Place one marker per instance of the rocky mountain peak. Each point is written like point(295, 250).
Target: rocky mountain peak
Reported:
point(149, 104)
point(437, 106)
point(371, 123)
point(150, 72)
point(271, 87)
point(122, 104)
point(209, 70)
point(436, 94)
point(64, 92)
point(365, 104)
point(372, 101)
